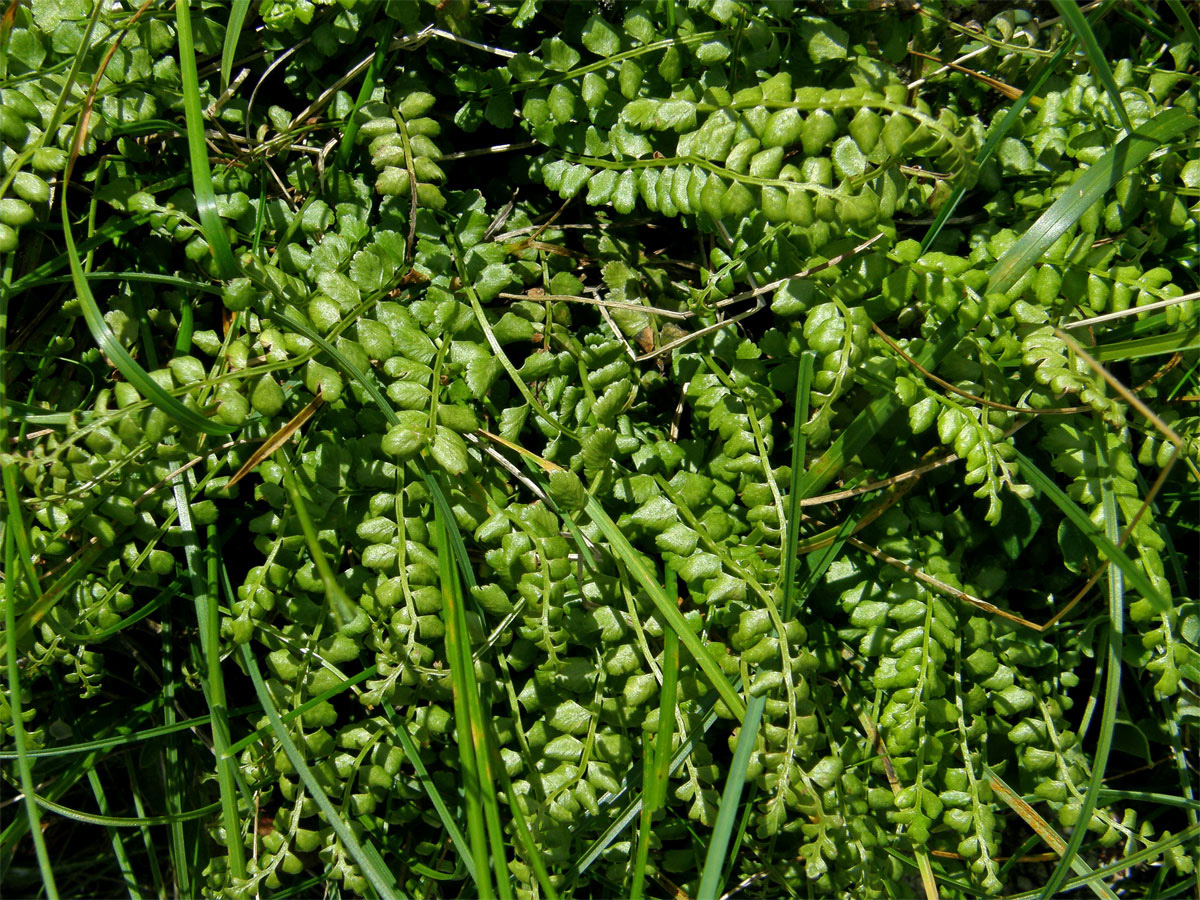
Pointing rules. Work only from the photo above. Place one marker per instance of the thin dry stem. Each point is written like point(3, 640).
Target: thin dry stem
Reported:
point(876, 485)
point(942, 586)
point(983, 401)
point(1127, 395)
point(1007, 90)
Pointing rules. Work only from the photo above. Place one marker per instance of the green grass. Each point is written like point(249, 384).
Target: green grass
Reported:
point(521, 598)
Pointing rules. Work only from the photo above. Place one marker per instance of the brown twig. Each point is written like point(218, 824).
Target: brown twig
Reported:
point(876, 485)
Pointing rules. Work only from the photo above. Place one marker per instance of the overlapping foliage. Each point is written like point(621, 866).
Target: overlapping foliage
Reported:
point(620, 367)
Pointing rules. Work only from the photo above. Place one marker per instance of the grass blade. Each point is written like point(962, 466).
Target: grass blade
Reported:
point(119, 356)
point(146, 734)
point(622, 819)
point(1112, 685)
point(481, 727)
point(15, 522)
point(238, 10)
point(298, 711)
point(996, 135)
point(202, 568)
point(1079, 26)
point(372, 390)
point(521, 824)
point(1189, 23)
point(666, 724)
point(370, 79)
point(340, 605)
point(201, 565)
point(1129, 153)
point(175, 281)
point(1108, 795)
point(435, 797)
point(714, 863)
point(229, 776)
point(337, 358)
point(1188, 800)
point(15, 534)
point(656, 770)
point(109, 230)
point(78, 815)
point(636, 564)
point(476, 829)
point(1157, 345)
point(381, 879)
point(156, 876)
point(498, 351)
point(1123, 865)
point(645, 826)
point(1107, 547)
point(118, 843)
point(202, 186)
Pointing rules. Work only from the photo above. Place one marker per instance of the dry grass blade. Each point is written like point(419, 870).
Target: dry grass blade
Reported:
point(928, 883)
point(830, 535)
point(1027, 813)
point(942, 586)
point(595, 301)
point(1012, 93)
point(86, 114)
point(277, 440)
point(1045, 831)
point(755, 294)
point(877, 485)
point(687, 337)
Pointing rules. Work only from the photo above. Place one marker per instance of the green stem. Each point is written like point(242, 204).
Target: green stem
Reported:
point(18, 723)
point(799, 450)
point(342, 608)
point(666, 709)
point(16, 537)
point(370, 79)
